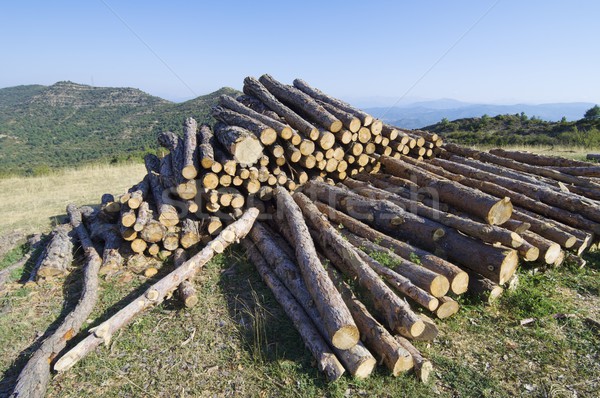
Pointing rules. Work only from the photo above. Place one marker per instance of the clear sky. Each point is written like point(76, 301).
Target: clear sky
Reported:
point(503, 51)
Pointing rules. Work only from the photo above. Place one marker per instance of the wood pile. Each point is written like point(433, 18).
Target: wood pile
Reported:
point(367, 231)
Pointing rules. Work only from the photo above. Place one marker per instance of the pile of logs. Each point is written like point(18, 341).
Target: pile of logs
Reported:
point(362, 230)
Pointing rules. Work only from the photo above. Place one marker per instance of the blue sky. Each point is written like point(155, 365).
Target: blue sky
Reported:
point(503, 51)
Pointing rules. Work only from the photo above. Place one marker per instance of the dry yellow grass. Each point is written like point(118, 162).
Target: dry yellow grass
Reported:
point(31, 204)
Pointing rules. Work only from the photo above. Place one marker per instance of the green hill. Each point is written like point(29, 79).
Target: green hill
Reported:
point(47, 127)
point(519, 129)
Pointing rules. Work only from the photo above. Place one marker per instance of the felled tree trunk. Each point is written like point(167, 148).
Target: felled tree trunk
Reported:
point(205, 140)
point(341, 329)
point(265, 134)
point(422, 366)
point(112, 260)
point(457, 277)
point(240, 143)
point(327, 362)
point(33, 379)
point(190, 168)
point(156, 293)
point(186, 292)
point(398, 314)
point(538, 160)
point(57, 257)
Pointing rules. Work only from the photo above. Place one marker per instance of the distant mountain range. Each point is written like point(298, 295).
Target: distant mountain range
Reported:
point(425, 113)
point(45, 127)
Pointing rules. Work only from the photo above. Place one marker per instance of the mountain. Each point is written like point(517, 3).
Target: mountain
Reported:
point(46, 127)
point(424, 113)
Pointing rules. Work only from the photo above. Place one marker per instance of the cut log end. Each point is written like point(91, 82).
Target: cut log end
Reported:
point(552, 254)
point(460, 283)
point(403, 363)
point(439, 286)
point(500, 212)
point(169, 219)
point(570, 242)
point(346, 337)
point(424, 372)
point(365, 368)
point(417, 328)
point(268, 136)
point(447, 308)
point(336, 126)
point(529, 253)
point(247, 152)
point(508, 266)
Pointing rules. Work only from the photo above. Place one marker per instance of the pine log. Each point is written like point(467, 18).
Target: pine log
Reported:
point(108, 233)
point(153, 231)
point(349, 121)
point(57, 257)
point(431, 330)
point(538, 160)
point(265, 134)
point(144, 215)
point(170, 240)
point(191, 233)
point(190, 168)
point(127, 216)
point(549, 251)
point(488, 208)
point(571, 202)
point(437, 166)
point(364, 117)
point(422, 366)
point(256, 88)
point(278, 253)
point(174, 144)
point(284, 131)
point(447, 308)
point(398, 314)
point(138, 193)
point(488, 233)
point(242, 144)
point(186, 292)
point(301, 102)
point(484, 288)
point(206, 141)
point(434, 284)
point(496, 263)
point(152, 163)
point(457, 277)
point(35, 375)
point(167, 214)
point(341, 329)
point(138, 245)
point(373, 334)
point(156, 293)
point(326, 360)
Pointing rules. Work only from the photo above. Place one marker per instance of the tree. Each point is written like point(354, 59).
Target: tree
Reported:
point(592, 113)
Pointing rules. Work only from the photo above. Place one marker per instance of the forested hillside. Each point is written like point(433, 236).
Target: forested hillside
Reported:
point(47, 127)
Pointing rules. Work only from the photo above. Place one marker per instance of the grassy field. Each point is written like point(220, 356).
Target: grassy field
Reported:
point(32, 204)
point(237, 342)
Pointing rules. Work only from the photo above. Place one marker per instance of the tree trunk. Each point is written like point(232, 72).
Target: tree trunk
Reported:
point(398, 314)
point(457, 277)
point(240, 143)
point(549, 251)
point(256, 88)
point(170, 240)
point(538, 160)
point(57, 257)
point(373, 334)
point(190, 168)
point(326, 360)
point(488, 208)
point(447, 308)
point(33, 379)
point(112, 260)
point(206, 142)
point(341, 329)
point(364, 117)
point(488, 233)
point(153, 231)
point(265, 134)
point(174, 144)
point(278, 253)
point(144, 215)
point(574, 203)
point(434, 284)
point(283, 130)
point(301, 103)
point(484, 288)
point(422, 366)
point(139, 193)
point(191, 233)
point(349, 121)
point(156, 293)
point(496, 263)
point(167, 214)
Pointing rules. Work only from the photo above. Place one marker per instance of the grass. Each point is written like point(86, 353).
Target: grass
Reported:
point(237, 341)
point(32, 204)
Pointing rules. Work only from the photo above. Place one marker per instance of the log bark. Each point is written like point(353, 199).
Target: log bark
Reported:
point(351, 122)
point(399, 316)
point(422, 366)
point(144, 215)
point(138, 193)
point(374, 334)
point(190, 166)
point(457, 277)
point(265, 134)
point(341, 329)
point(497, 263)
point(174, 144)
point(153, 231)
point(156, 293)
point(488, 208)
point(186, 292)
point(301, 102)
point(191, 233)
point(364, 117)
point(112, 260)
point(483, 288)
point(242, 144)
point(538, 160)
point(206, 143)
point(593, 156)
point(255, 88)
point(549, 251)
point(587, 171)
point(487, 233)
point(167, 214)
point(278, 253)
point(284, 131)
point(34, 377)
point(57, 256)
point(447, 308)
point(558, 214)
point(571, 202)
point(326, 360)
